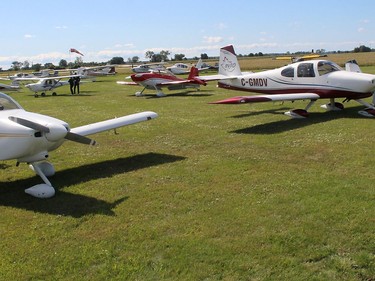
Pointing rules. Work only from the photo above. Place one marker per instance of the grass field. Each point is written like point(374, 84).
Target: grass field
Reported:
point(204, 192)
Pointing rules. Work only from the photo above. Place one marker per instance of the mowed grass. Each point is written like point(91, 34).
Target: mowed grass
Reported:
point(204, 192)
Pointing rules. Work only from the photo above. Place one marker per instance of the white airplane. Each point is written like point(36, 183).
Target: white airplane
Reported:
point(306, 80)
point(45, 84)
point(148, 67)
point(5, 87)
point(182, 68)
point(29, 137)
point(86, 72)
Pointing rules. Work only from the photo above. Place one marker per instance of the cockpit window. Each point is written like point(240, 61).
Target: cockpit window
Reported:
point(305, 70)
point(325, 67)
point(7, 103)
point(288, 72)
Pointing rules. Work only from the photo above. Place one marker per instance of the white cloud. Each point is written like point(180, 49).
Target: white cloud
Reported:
point(28, 36)
point(361, 29)
point(212, 39)
point(61, 27)
point(221, 26)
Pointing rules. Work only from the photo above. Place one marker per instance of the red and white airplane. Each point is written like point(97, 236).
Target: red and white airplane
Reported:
point(159, 79)
point(306, 80)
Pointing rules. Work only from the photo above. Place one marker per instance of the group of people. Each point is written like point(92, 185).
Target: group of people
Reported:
point(74, 84)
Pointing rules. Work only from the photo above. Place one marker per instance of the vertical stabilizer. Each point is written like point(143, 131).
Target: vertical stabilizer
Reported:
point(228, 64)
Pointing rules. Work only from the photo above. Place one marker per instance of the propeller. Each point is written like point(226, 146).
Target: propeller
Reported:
point(53, 133)
point(29, 124)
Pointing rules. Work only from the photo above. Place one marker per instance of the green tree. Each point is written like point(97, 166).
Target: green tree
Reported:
point(179, 56)
point(16, 65)
point(117, 60)
point(362, 49)
point(63, 63)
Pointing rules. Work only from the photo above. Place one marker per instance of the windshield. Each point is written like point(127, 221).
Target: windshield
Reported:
point(325, 67)
point(7, 103)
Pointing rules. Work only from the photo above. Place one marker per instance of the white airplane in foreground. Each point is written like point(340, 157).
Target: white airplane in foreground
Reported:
point(29, 137)
point(45, 84)
point(306, 80)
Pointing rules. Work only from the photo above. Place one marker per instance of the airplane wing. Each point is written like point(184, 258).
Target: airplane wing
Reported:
point(127, 83)
point(216, 77)
point(266, 98)
point(114, 123)
point(5, 87)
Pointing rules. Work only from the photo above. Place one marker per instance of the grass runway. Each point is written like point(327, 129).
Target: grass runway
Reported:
point(203, 192)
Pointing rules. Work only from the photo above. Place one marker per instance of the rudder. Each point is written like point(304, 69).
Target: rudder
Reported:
point(229, 65)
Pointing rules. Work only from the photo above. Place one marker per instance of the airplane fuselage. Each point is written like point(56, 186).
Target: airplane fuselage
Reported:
point(156, 81)
point(22, 143)
point(45, 85)
point(320, 77)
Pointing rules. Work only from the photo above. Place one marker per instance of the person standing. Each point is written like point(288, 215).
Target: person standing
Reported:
point(71, 84)
point(76, 84)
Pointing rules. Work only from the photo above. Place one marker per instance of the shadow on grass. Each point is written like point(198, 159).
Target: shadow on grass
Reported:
point(291, 124)
point(81, 94)
point(75, 205)
point(192, 93)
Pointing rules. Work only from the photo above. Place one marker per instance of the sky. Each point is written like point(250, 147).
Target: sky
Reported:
point(44, 31)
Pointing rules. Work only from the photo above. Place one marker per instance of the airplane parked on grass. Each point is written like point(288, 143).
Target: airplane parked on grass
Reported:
point(45, 84)
point(182, 68)
point(86, 72)
point(5, 87)
point(306, 80)
point(158, 80)
point(148, 67)
point(29, 137)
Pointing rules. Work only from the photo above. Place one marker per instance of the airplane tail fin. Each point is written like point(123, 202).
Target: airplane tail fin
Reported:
point(194, 76)
point(199, 64)
point(193, 73)
point(228, 64)
point(352, 66)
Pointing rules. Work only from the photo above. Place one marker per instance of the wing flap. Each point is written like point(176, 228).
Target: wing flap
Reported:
point(266, 98)
point(114, 123)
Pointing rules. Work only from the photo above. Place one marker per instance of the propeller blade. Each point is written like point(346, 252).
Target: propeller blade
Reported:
point(29, 124)
point(79, 138)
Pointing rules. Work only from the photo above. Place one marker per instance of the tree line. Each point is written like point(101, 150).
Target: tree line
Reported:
point(163, 55)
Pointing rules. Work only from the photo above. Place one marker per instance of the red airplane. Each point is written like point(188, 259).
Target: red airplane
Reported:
point(159, 79)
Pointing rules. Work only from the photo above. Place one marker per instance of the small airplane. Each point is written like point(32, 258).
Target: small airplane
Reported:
point(5, 87)
point(160, 79)
point(182, 68)
point(148, 67)
point(105, 70)
point(29, 137)
point(45, 84)
point(306, 80)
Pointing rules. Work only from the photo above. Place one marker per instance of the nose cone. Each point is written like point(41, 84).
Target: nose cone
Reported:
point(354, 82)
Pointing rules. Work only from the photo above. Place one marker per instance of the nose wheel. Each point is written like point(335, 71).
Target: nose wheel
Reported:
point(43, 190)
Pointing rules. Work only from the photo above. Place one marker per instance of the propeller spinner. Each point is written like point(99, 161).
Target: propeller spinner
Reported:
point(53, 132)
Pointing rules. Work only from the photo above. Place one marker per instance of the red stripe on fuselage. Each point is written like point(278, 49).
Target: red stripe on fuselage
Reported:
point(323, 93)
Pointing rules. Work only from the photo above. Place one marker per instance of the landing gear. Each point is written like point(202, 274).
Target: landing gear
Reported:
point(369, 111)
point(44, 190)
point(333, 106)
point(140, 94)
point(300, 113)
